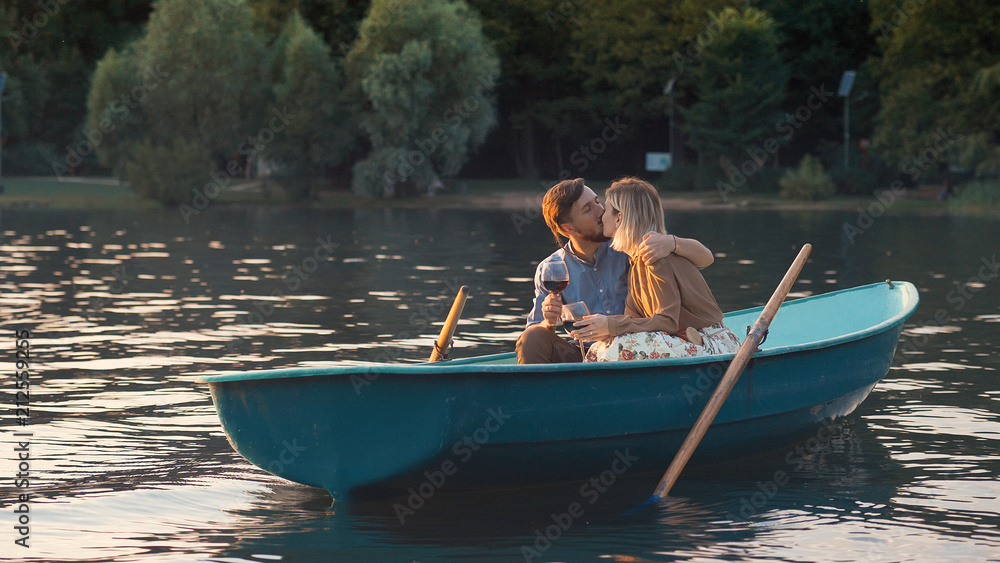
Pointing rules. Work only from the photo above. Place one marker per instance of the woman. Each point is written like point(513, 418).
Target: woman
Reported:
point(670, 311)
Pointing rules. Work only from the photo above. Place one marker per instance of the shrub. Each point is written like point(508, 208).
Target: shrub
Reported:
point(977, 193)
point(168, 173)
point(809, 182)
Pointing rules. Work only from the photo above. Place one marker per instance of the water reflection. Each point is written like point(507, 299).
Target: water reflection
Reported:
point(126, 310)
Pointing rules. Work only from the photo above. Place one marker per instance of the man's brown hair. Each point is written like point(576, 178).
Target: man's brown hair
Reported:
point(558, 202)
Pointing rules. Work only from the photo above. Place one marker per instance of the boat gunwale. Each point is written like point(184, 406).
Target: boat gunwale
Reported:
point(481, 364)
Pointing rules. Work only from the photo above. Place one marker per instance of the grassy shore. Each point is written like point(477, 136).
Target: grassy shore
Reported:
point(503, 194)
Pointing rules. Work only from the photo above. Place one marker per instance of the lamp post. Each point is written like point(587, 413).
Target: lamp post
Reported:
point(3, 80)
point(668, 90)
point(846, 83)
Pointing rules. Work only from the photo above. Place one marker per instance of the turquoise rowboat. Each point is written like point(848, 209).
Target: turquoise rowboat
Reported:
point(374, 430)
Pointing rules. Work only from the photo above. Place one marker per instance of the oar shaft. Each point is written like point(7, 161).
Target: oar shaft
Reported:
point(448, 330)
point(728, 380)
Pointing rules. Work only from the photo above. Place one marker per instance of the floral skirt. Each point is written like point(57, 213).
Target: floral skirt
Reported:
point(718, 339)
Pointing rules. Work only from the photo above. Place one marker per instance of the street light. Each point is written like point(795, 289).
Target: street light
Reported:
point(3, 80)
point(846, 83)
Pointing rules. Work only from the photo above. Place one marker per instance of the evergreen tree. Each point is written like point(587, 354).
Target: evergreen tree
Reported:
point(740, 81)
point(821, 39)
point(309, 83)
point(630, 50)
point(48, 51)
point(540, 94)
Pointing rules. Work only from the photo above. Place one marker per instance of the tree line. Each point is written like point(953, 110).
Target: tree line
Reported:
point(400, 96)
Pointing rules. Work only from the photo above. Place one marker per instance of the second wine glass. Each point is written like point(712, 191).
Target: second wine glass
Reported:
point(571, 313)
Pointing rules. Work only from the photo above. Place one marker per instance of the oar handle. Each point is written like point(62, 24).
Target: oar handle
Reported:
point(448, 330)
point(728, 380)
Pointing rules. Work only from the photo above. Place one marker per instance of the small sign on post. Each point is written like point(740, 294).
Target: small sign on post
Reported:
point(658, 161)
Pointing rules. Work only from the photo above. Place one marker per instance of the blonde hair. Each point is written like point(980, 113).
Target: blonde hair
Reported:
point(641, 211)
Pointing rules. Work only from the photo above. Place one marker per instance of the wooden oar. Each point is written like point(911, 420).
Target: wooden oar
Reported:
point(728, 380)
point(448, 330)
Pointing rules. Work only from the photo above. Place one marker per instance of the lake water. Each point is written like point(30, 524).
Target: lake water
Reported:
point(128, 461)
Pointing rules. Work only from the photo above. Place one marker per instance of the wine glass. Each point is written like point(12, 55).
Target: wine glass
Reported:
point(571, 313)
point(555, 278)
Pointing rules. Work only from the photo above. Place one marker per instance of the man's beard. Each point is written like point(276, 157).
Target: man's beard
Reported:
point(597, 235)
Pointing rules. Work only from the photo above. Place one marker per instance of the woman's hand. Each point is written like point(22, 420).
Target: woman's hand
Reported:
point(592, 328)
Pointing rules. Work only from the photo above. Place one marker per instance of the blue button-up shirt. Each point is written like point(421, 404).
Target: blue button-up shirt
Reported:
point(603, 285)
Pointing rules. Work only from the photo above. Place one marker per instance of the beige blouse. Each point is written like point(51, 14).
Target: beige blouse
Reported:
point(668, 295)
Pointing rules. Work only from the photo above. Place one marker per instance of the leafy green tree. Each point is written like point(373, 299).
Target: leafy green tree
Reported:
point(426, 72)
point(740, 81)
point(939, 84)
point(309, 82)
point(195, 76)
point(114, 118)
point(201, 74)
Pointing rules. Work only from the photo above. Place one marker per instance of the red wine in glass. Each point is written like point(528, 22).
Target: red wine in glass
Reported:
point(555, 286)
point(555, 278)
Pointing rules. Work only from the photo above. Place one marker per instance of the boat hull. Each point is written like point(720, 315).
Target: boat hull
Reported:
point(486, 422)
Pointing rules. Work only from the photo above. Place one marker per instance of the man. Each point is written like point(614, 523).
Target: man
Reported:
point(598, 274)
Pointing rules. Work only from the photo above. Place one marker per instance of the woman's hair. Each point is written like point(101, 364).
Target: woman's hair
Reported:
point(558, 202)
point(641, 211)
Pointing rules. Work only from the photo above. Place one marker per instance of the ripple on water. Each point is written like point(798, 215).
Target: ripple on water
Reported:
point(133, 463)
